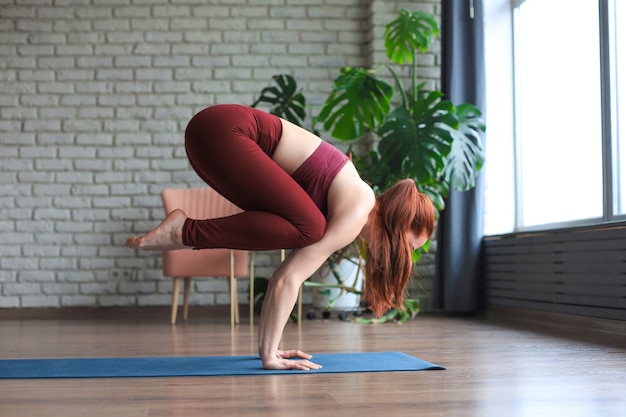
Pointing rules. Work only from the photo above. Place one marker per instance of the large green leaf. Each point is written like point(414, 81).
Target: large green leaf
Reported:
point(466, 157)
point(357, 102)
point(410, 32)
point(415, 144)
point(437, 192)
point(288, 102)
point(399, 143)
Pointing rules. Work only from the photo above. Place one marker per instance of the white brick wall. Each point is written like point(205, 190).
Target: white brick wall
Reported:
point(94, 99)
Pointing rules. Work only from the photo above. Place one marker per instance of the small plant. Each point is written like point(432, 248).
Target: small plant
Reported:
point(260, 290)
point(286, 99)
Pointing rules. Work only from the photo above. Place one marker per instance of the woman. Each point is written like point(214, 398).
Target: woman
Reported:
point(297, 192)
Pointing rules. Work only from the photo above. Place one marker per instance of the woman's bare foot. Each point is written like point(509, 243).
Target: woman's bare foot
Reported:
point(166, 236)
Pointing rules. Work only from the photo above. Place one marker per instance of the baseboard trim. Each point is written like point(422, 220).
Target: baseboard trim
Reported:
point(543, 318)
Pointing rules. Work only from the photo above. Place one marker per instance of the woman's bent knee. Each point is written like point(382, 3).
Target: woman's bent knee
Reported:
point(313, 232)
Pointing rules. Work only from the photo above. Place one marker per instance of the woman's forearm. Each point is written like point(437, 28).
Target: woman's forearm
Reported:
point(279, 301)
point(281, 296)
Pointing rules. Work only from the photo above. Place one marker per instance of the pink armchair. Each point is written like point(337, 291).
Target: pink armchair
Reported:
point(204, 203)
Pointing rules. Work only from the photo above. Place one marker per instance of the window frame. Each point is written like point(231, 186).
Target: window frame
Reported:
point(610, 163)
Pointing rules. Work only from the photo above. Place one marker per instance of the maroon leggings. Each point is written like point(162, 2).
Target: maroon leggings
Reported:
point(230, 147)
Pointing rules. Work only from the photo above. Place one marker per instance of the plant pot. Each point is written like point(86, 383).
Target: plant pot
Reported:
point(336, 298)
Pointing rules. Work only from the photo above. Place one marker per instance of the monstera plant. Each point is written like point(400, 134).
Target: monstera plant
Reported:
point(419, 134)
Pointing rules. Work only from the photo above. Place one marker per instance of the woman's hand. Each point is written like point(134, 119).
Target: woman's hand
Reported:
point(283, 359)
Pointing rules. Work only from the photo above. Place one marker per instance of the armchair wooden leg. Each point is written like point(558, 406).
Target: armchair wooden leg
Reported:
point(235, 297)
point(186, 298)
point(234, 304)
point(251, 295)
point(175, 293)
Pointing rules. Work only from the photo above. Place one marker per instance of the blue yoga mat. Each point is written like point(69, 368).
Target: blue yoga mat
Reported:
point(202, 366)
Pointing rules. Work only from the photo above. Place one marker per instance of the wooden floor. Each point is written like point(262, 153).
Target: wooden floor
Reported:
point(494, 367)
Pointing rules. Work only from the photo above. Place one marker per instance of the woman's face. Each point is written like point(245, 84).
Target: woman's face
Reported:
point(417, 241)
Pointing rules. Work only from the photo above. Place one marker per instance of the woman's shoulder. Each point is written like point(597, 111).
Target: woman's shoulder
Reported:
point(350, 202)
point(348, 193)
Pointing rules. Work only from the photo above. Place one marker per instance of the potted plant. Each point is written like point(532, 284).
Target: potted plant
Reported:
point(420, 135)
point(423, 136)
point(339, 281)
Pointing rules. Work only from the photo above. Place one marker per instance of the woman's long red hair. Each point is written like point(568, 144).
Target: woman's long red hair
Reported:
point(389, 260)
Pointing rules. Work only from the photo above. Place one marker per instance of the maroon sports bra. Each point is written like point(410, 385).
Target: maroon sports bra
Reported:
point(318, 171)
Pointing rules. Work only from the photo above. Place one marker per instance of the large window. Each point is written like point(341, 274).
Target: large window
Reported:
point(558, 160)
point(617, 33)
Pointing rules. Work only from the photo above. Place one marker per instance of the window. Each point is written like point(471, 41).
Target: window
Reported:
point(617, 33)
point(556, 160)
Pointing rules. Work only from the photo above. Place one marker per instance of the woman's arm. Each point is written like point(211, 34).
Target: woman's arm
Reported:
point(279, 301)
point(351, 203)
